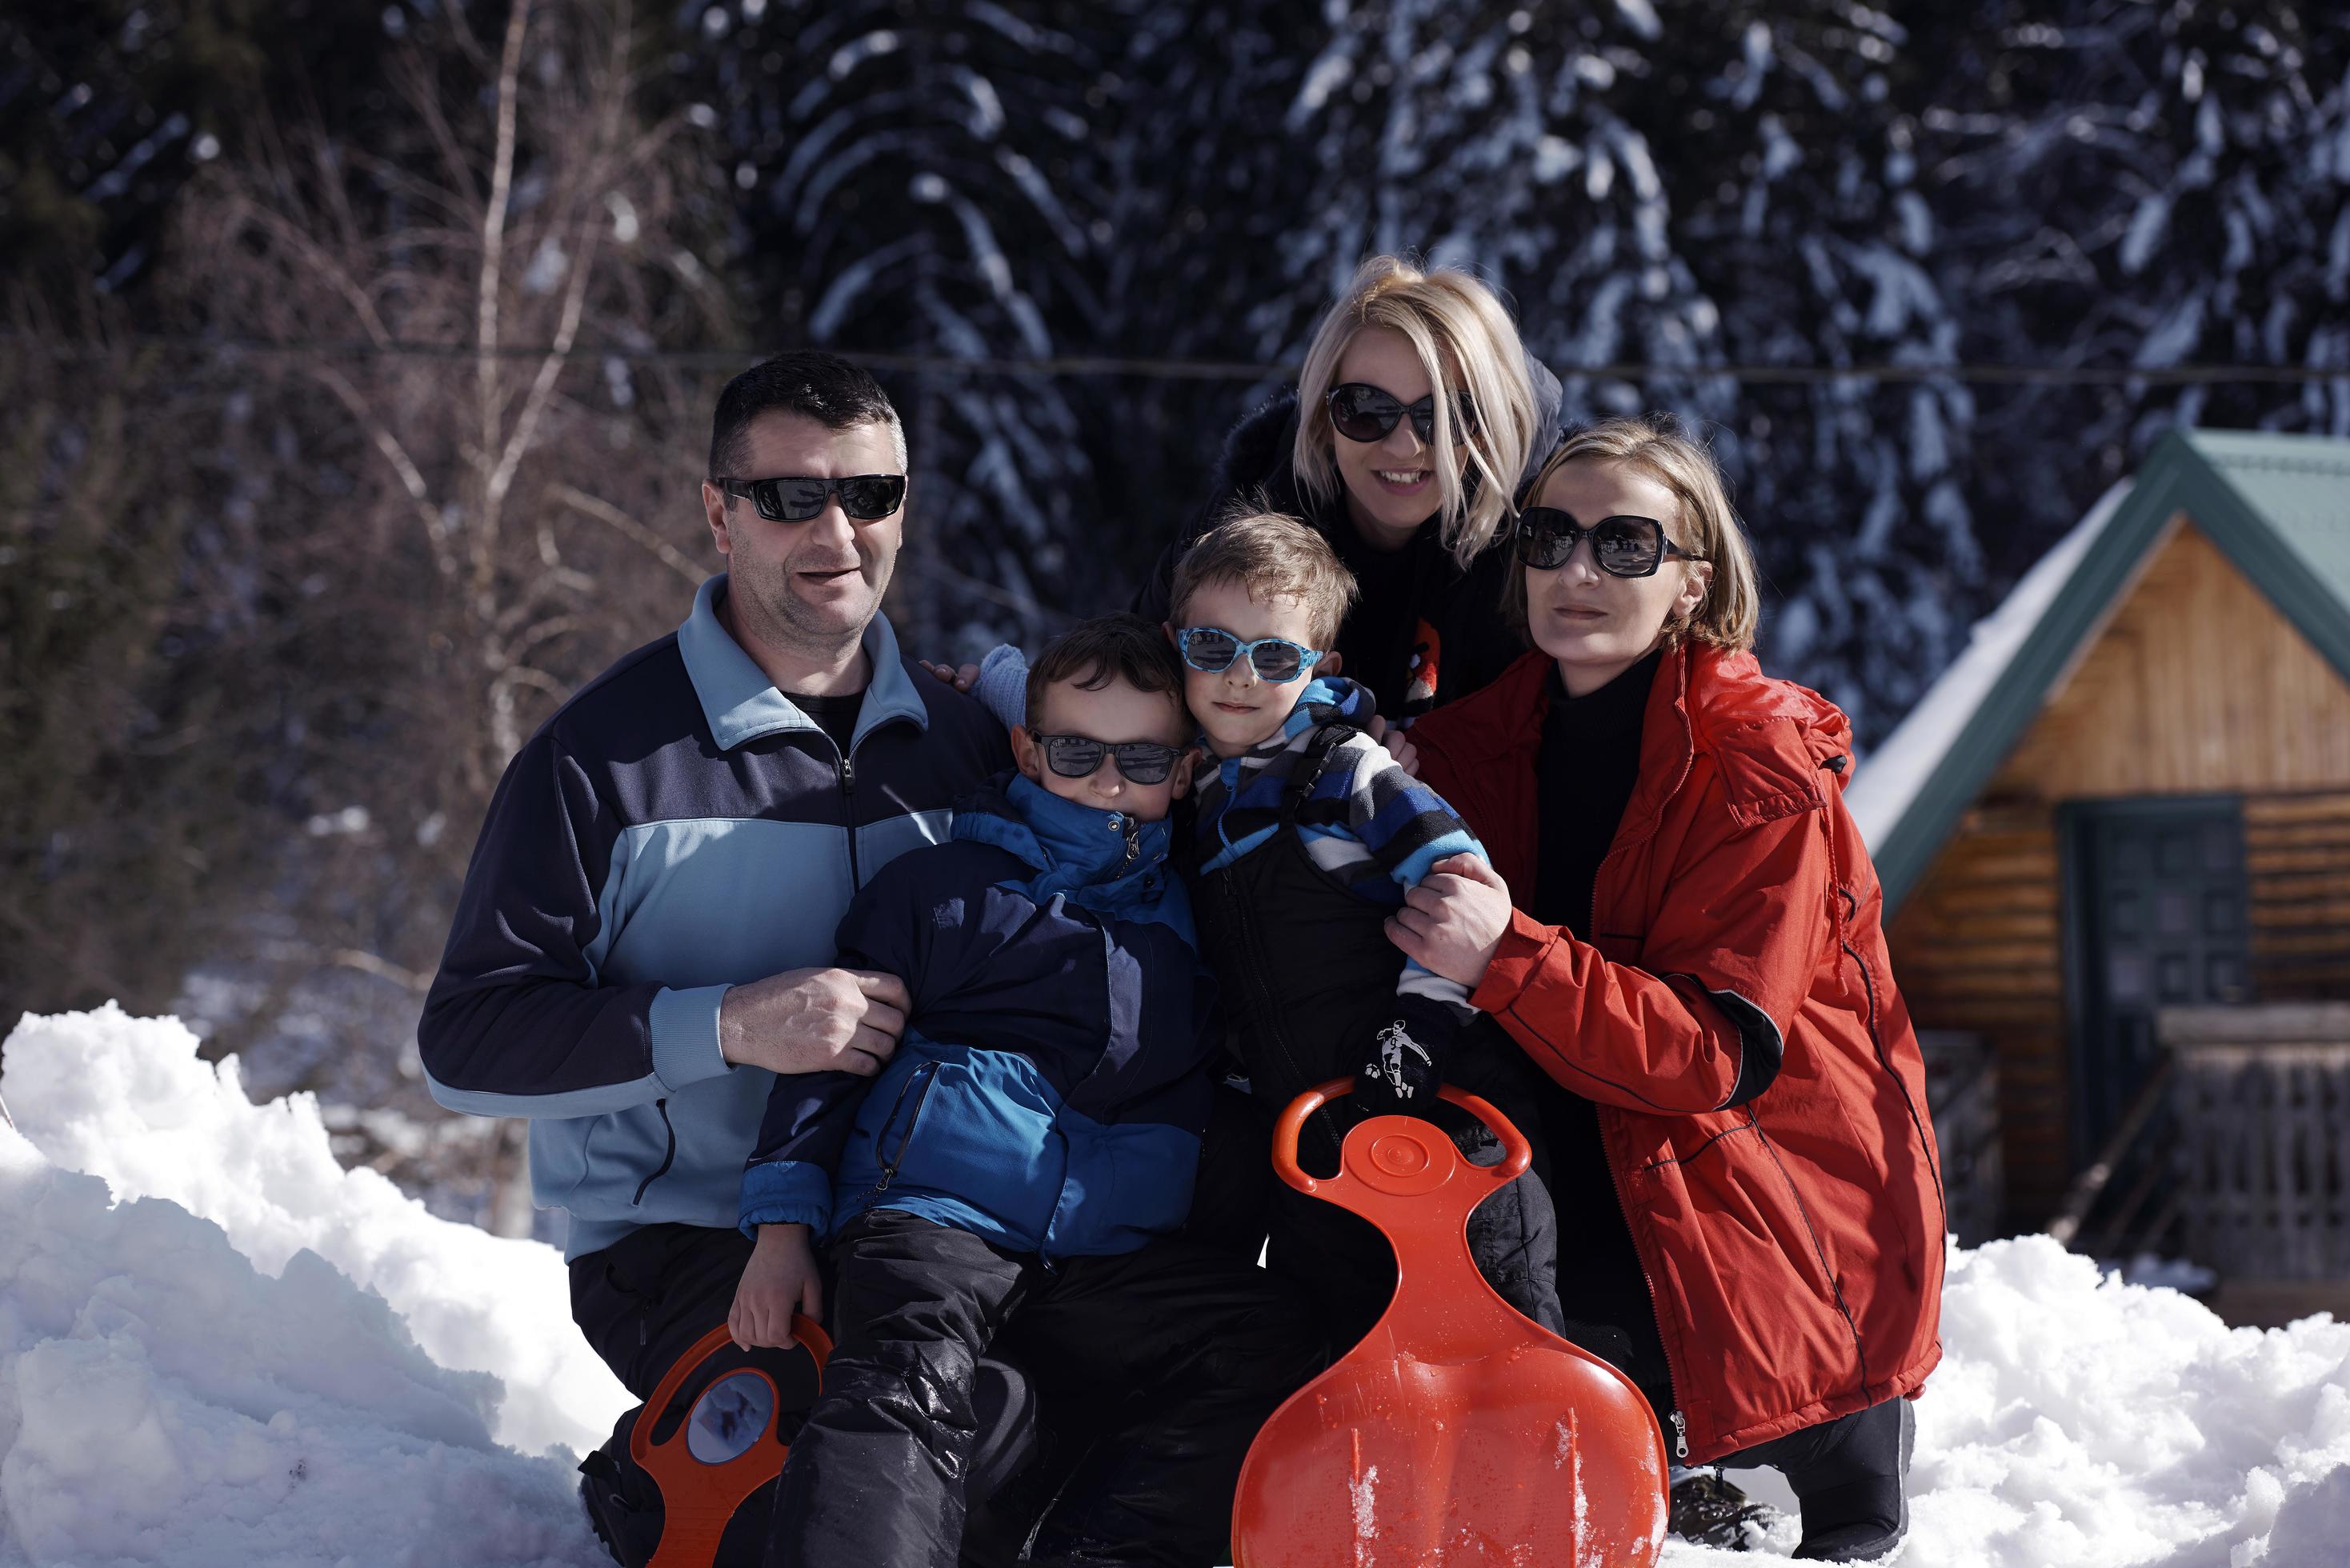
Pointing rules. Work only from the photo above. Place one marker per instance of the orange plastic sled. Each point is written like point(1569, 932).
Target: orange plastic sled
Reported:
point(713, 1459)
point(1459, 1431)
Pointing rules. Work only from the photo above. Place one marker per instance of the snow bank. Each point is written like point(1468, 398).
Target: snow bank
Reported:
point(239, 1384)
point(127, 1099)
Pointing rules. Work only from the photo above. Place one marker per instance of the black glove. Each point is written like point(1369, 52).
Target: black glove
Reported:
point(1404, 1066)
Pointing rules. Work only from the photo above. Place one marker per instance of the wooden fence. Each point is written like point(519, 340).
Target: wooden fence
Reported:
point(2261, 1101)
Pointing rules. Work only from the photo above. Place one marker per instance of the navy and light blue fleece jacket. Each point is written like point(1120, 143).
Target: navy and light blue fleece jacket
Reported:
point(1051, 1088)
point(677, 828)
point(1371, 826)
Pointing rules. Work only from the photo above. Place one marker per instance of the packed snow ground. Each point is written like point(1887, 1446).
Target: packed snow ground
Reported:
point(218, 1347)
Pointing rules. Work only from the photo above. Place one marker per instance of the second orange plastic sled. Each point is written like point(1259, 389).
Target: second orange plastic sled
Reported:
point(1459, 1431)
point(724, 1448)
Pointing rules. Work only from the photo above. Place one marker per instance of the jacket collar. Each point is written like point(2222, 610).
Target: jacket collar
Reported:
point(1101, 860)
point(742, 704)
point(1325, 699)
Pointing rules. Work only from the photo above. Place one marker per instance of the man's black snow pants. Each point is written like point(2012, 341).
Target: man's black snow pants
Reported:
point(644, 1300)
point(1177, 1353)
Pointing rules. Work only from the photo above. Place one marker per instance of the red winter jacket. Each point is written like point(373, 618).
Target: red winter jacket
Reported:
point(1758, 1084)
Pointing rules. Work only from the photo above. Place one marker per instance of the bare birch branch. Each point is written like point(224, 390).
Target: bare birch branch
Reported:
point(628, 528)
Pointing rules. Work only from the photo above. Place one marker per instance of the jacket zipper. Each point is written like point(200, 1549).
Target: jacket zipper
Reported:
point(1672, 1378)
point(1132, 828)
point(848, 808)
point(669, 1157)
point(1649, 1281)
point(927, 1075)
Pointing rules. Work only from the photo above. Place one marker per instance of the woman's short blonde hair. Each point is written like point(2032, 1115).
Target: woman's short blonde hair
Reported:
point(1661, 447)
point(1459, 327)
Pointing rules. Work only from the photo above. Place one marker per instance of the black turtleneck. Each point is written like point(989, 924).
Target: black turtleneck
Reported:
point(1590, 760)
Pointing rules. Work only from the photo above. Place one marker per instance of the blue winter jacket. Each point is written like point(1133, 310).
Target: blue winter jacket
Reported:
point(1051, 1088)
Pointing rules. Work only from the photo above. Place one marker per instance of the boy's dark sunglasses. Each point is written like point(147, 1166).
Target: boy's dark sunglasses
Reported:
point(1080, 756)
point(868, 497)
point(1362, 412)
point(1212, 649)
point(1623, 546)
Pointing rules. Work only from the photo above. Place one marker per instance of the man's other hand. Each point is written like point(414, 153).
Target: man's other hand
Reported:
point(814, 1021)
point(780, 1279)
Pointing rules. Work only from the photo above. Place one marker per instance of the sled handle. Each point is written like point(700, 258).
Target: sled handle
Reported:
point(805, 1332)
point(1517, 1152)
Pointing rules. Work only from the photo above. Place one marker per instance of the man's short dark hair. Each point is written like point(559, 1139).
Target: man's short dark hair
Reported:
point(824, 387)
point(1093, 653)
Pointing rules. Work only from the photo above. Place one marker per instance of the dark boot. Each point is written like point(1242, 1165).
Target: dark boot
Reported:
point(1707, 1509)
point(1856, 1496)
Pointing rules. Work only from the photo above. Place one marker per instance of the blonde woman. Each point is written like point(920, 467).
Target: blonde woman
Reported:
point(1415, 417)
point(1751, 1218)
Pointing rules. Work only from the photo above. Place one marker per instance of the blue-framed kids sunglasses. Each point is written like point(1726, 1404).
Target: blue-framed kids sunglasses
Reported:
point(1276, 659)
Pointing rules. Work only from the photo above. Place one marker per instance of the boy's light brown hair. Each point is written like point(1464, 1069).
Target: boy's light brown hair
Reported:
point(1093, 653)
point(1273, 556)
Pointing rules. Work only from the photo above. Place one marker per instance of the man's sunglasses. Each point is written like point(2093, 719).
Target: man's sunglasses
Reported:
point(1080, 756)
point(868, 497)
point(1212, 649)
point(1362, 412)
point(1623, 546)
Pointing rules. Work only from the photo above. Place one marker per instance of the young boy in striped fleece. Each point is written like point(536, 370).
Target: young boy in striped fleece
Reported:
point(1307, 837)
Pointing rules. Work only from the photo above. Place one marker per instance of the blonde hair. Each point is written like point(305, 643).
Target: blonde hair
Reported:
point(1273, 557)
point(1447, 316)
point(1661, 447)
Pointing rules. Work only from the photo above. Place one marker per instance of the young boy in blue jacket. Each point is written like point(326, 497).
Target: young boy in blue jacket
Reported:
point(1016, 1169)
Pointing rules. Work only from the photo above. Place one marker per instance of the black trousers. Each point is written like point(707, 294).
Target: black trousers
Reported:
point(1851, 1476)
point(647, 1299)
point(1178, 1354)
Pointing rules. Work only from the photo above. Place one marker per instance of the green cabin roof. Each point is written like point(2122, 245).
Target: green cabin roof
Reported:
point(2278, 507)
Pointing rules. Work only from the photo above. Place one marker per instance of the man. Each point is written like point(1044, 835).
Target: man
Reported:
point(649, 910)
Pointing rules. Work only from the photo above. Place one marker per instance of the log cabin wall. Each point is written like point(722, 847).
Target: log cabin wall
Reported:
point(2196, 685)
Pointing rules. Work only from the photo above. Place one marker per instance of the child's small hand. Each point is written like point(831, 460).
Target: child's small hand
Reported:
point(780, 1279)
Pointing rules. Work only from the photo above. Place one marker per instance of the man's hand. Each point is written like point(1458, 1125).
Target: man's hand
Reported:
point(1398, 740)
point(960, 676)
point(780, 1279)
point(1454, 920)
point(814, 1021)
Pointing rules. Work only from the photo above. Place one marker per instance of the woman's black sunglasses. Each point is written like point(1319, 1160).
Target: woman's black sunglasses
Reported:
point(868, 497)
point(1623, 546)
point(1080, 756)
point(1362, 412)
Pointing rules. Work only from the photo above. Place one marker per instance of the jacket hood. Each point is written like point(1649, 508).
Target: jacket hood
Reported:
point(1106, 861)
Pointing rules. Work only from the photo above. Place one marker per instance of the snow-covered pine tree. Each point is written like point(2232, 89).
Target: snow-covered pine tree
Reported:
point(915, 179)
point(2151, 186)
point(1786, 134)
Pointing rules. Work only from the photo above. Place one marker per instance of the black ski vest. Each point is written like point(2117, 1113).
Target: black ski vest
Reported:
point(1305, 969)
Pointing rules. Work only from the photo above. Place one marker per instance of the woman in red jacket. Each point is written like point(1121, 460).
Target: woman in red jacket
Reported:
point(1696, 960)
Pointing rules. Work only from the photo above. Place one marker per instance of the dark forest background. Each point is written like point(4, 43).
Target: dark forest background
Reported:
point(357, 363)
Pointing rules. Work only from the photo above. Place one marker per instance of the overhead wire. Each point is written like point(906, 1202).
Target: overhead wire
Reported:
point(719, 357)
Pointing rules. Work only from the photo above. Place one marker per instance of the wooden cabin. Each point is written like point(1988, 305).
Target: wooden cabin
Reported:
point(2128, 797)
